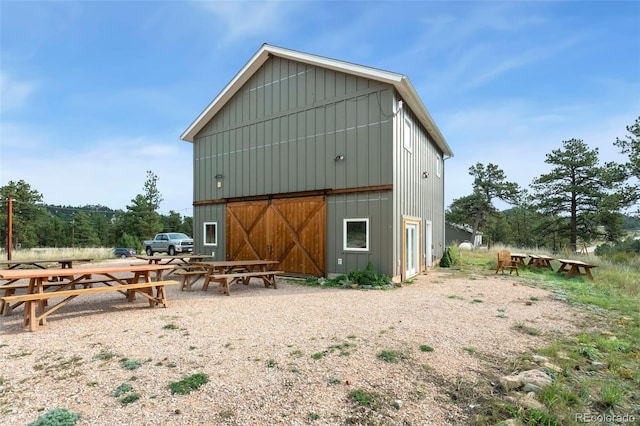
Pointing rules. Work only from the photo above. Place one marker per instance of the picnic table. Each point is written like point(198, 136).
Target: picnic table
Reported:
point(540, 261)
point(136, 280)
point(184, 266)
point(63, 263)
point(518, 258)
point(575, 267)
point(228, 272)
point(42, 263)
point(179, 259)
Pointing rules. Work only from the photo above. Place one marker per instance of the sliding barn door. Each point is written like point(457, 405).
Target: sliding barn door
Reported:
point(291, 231)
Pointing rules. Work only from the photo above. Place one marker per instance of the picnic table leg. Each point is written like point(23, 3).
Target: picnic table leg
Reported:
point(573, 271)
point(161, 296)
point(224, 285)
point(149, 291)
point(587, 271)
point(42, 306)
point(185, 282)
point(30, 315)
point(207, 279)
point(563, 268)
point(5, 306)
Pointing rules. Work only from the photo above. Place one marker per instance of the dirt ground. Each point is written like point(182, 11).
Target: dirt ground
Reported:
point(292, 355)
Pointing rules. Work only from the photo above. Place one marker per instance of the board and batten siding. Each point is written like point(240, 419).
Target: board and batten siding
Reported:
point(375, 206)
point(417, 196)
point(210, 213)
point(282, 131)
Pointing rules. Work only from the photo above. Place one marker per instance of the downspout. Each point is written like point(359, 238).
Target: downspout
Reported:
point(444, 220)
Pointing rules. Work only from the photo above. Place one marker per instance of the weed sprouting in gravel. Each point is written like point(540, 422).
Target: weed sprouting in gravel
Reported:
point(130, 364)
point(57, 417)
point(188, 384)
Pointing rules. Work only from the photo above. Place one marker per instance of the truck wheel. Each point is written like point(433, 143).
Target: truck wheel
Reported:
point(172, 251)
point(149, 251)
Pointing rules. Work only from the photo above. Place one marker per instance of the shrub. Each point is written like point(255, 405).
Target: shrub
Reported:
point(369, 277)
point(122, 389)
point(57, 417)
point(364, 398)
point(447, 260)
point(130, 364)
point(389, 356)
point(189, 384)
point(132, 397)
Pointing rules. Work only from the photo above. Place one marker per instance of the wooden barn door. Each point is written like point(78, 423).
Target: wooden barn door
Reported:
point(291, 230)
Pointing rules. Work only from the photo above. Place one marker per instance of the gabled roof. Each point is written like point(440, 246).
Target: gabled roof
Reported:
point(399, 81)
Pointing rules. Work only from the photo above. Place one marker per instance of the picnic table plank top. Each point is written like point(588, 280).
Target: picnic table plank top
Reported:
point(177, 256)
point(40, 261)
point(251, 262)
point(576, 262)
point(11, 274)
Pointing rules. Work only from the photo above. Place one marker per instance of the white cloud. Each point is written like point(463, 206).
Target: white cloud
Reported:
point(241, 19)
point(14, 93)
point(110, 172)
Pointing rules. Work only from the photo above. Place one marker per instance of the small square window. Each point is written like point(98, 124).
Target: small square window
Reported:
point(211, 233)
point(356, 235)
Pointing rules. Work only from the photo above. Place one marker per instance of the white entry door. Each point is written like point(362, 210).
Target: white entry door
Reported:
point(411, 248)
point(428, 244)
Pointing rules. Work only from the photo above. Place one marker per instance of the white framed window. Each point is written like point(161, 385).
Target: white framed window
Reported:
point(211, 233)
point(356, 235)
point(438, 165)
point(407, 137)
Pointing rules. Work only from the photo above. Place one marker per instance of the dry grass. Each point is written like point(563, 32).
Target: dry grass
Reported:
point(95, 253)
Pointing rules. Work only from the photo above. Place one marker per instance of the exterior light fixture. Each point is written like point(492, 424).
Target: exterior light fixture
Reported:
point(425, 175)
point(339, 157)
point(219, 176)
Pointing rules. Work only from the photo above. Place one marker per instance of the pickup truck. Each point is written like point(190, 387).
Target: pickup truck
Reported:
point(168, 242)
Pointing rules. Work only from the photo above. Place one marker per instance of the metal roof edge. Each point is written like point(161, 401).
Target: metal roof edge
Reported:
point(410, 96)
point(226, 93)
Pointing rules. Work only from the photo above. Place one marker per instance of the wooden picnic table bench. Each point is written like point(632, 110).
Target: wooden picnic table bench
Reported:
point(138, 278)
point(575, 267)
point(218, 271)
point(540, 261)
point(190, 274)
point(518, 258)
point(225, 280)
point(36, 300)
point(10, 290)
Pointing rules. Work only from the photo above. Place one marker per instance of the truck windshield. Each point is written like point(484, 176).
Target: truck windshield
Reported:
point(179, 236)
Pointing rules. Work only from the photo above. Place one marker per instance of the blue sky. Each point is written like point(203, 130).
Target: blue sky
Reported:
point(94, 94)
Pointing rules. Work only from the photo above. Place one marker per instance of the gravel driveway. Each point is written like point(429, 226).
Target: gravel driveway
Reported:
point(295, 355)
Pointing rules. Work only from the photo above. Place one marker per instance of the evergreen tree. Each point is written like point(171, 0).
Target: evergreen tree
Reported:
point(489, 183)
point(141, 219)
point(172, 223)
point(27, 213)
point(82, 232)
point(577, 191)
point(630, 145)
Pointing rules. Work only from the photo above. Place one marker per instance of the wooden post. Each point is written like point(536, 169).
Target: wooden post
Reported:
point(9, 227)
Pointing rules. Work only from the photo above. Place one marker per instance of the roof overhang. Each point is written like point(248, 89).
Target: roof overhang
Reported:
point(399, 81)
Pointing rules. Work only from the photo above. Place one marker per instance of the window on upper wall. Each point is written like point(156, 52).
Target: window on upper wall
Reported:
point(407, 137)
point(356, 235)
point(438, 165)
point(211, 233)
